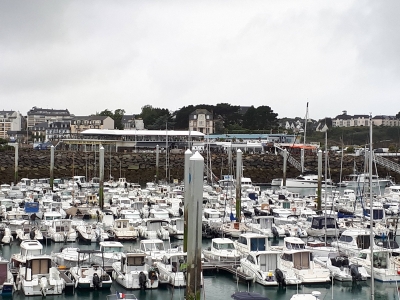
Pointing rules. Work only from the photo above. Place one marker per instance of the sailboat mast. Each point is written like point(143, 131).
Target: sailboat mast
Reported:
point(305, 125)
point(305, 134)
point(371, 213)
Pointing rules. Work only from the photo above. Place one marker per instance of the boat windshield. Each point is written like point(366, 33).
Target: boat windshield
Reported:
point(153, 246)
point(294, 246)
point(113, 249)
point(224, 246)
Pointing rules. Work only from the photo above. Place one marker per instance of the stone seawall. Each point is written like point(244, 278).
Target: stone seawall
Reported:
point(141, 167)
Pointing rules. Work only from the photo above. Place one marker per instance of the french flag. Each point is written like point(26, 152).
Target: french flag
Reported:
point(120, 295)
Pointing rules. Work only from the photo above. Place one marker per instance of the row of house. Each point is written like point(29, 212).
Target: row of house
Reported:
point(55, 124)
point(345, 120)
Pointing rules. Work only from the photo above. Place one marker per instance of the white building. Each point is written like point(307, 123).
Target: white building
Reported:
point(201, 120)
point(10, 121)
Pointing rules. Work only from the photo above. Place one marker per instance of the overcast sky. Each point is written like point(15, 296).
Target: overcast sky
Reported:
point(88, 56)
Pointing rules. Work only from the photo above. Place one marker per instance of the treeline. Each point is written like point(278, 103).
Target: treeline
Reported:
point(227, 118)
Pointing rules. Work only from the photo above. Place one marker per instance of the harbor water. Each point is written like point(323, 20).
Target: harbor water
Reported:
point(219, 285)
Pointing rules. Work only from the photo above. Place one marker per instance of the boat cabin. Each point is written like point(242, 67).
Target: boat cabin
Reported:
point(62, 225)
point(174, 262)
point(111, 246)
point(132, 262)
point(267, 261)
point(248, 242)
point(132, 215)
point(7, 203)
point(159, 213)
point(264, 221)
point(51, 215)
point(91, 199)
point(318, 222)
point(37, 266)
point(222, 244)
point(154, 224)
point(122, 224)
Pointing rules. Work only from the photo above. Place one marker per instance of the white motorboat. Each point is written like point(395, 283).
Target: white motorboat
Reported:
point(109, 253)
point(38, 278)
point(352, 241)
point(234, 229)
point(29, 232)
point(303, 181)
point(176, 228)
point(91, 276)
point(5, 235)
point(341, 269)
point(262, 266)
point(363, 179)
point(154, 248)
point(124, 230)
point(133, 215)
point(211, 217)
point(386, 263)
point(62, 231)
point(133, 272)
point(172, 269)
point(154, 228)
point(69, 257)
point(91, 233)
point(262, 225)
point(222, 250)
point(34, 272)
point(295, 258)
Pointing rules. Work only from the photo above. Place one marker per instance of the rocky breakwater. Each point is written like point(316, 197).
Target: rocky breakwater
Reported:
point(141, 167)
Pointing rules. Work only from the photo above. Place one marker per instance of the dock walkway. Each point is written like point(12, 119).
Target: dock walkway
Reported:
point(228, 267)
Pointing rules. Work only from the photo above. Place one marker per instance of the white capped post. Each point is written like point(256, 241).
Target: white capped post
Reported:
point(238, 184)
point(157, 160)
point(194, 242)
point(285, 157)
point(319, 201)
point(101, 171)
point(51, 166)
point(186, 199)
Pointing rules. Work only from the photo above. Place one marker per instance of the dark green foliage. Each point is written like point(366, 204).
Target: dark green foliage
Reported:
point(117, 116)
point(156, 118)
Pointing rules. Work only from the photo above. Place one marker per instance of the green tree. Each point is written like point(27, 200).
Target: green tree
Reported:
point(117, 116)
point(153, 117)
point(250, 119)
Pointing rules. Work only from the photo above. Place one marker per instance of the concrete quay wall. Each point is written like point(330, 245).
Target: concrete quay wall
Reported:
point(141, 167)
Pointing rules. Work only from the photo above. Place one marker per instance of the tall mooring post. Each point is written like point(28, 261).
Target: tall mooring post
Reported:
point(302, 160)
point(16, 163)
point(238, 185)
point(319, 200)
point(157, 160)
point(51, 167)
point(186, 198)
point(193, 281)
point(285, 157)
point(101, 175)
